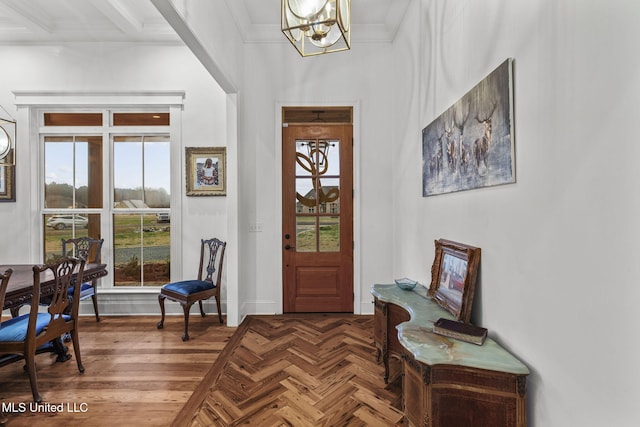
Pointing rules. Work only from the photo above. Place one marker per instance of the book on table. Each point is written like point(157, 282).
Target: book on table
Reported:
point(459, 330)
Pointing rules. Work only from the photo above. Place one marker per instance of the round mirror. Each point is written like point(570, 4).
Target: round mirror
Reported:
point(5, 143)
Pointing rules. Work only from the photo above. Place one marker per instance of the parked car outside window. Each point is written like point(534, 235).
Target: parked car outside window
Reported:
point(163, 217)
point(60, 222)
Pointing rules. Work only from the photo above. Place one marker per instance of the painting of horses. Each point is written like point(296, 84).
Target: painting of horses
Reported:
point(471, 144)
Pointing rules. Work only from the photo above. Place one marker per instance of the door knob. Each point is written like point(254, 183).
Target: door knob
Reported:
point(288, 246)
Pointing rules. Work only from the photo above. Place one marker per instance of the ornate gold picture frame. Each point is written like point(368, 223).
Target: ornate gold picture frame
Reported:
point(453, 277)
point(8, 181)
point(206, 171)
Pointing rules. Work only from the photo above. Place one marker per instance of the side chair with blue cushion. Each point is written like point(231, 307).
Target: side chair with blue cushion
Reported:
point(187, 292)
point(88, 249)
point(24, 334)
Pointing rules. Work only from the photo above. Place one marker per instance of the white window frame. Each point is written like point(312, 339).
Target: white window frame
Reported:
point(171, 101)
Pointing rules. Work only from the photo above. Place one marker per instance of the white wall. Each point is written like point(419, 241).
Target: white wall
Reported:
point(118, 67)
point(558, 277)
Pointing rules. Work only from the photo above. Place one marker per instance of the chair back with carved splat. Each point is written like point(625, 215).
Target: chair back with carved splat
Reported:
point(207, 285)
point(26, 333)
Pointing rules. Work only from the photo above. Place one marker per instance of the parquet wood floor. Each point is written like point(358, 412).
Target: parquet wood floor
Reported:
point(296, 370)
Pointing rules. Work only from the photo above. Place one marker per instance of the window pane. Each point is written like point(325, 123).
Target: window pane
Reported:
point(58, 172)
point(73, 119)
point(329, 234)
point(127, 172)
point(73, 172)
point(157, 163)
point(127, 253)
point(141, 250)
point(66, 226)
point(306, 235)
point(141, 119)
point(141, 178)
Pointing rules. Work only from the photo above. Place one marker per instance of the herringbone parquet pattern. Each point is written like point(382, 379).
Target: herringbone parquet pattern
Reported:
point(296, 370)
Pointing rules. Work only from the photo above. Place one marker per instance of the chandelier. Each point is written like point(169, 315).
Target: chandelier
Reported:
point(315, 27)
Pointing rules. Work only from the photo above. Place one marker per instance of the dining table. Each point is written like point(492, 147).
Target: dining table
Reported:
point(20, 289)
point(20, 292)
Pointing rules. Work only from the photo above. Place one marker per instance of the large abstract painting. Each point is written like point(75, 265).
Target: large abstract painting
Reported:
point(471, 144)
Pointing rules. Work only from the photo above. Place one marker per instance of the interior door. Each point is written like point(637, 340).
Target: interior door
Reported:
point(317, 226)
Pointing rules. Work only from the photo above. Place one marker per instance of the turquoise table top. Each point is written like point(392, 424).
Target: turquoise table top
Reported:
point(418, 338)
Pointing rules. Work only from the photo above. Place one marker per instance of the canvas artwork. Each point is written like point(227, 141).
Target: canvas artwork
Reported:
point(471, 144)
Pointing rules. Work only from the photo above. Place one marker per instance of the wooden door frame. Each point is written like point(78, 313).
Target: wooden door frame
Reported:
point(358, 304)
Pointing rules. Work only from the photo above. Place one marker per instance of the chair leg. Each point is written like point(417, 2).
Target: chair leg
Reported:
point(94, 298)
point(15, 312)
point(30, 364)
point(161, 299)
point(76, 349)
point(186, 308)
point(219, 310)
point(201, 308)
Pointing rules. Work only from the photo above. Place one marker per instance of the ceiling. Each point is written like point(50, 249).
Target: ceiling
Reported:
point(46, 21)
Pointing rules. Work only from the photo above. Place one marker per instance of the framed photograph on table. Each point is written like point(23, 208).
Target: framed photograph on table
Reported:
point(206, 171)
point(453, 277)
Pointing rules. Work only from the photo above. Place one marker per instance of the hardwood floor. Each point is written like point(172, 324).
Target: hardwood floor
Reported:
point(134, 373)
point(296, 370)
point(277, 370)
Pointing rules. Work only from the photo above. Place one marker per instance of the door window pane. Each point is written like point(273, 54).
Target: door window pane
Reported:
point(329, 234)
point(306, 234)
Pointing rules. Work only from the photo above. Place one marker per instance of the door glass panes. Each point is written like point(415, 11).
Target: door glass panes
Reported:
point(317, 195)
point(141, 250)
point(141, 178)
point(66, 226)
point(73, 172)
point(306, 233)
point(329, 234)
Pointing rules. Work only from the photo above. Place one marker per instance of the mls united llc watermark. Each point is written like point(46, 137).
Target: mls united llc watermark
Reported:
point(44, 408)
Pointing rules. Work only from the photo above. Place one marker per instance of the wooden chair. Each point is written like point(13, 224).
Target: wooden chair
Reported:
point(187, 292)
point(88, 249)
point(4, 282)
point(24, 334)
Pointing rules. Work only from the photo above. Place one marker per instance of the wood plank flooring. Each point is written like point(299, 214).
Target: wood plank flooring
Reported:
point(296, 370)
point(134, 373)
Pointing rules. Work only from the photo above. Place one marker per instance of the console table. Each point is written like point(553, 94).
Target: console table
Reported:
point(446, 382)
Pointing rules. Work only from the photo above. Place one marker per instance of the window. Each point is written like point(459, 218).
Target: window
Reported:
point(134, 217)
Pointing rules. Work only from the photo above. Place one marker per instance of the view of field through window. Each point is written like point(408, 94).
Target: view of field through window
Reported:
point(137, 213)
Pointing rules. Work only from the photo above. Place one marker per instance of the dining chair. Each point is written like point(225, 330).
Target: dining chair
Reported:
point(88, 249)
point(24, 334)
point(4, 282)
point(187, 292)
